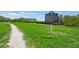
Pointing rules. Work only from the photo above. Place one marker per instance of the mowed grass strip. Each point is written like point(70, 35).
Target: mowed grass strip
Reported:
point(37, 35)
point(4, 34)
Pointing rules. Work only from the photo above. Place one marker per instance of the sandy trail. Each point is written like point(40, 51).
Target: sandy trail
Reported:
point(16, 38)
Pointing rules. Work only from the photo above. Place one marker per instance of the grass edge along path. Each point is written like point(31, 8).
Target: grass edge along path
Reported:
point(4, 34)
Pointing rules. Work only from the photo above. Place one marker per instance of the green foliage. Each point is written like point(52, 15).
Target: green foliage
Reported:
point(6, 19)
point(61, 21)
point(70, 20)
point(2, 18)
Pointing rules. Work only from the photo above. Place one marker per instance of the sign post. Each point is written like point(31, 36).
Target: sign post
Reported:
point(50, 30)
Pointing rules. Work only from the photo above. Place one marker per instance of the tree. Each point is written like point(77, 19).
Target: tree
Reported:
point(61, 21)
point(71, 20)
point(23, 20)
point(66, 19)
point(2, 19)
point(77, 20)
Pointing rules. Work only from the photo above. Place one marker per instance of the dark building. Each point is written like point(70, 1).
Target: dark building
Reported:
point(51, 18)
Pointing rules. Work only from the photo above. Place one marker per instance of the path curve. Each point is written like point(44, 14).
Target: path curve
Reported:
point(16, 38)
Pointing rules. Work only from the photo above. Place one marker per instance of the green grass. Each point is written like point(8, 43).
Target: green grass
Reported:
point(4, 34)
point(37, 35)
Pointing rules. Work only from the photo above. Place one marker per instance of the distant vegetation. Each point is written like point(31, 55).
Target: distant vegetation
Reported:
point(68, 20)
point(6, 19)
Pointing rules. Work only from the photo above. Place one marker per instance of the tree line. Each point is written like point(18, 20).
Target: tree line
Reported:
point(6, 19)
point(69, 20)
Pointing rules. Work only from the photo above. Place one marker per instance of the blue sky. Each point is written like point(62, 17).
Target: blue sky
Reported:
point(39, 15)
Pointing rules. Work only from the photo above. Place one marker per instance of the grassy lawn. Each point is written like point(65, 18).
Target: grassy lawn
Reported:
point(4, 34)
point(37, 35)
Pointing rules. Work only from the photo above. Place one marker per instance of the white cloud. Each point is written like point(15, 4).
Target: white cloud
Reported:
point(31, 13)
point(12, 14)
point(15, 14)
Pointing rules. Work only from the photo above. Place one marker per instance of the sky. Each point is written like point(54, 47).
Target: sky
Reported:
point(39, 15)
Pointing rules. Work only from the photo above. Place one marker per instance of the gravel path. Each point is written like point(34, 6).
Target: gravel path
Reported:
point(16, 38)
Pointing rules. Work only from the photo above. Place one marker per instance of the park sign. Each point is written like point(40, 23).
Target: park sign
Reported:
point(51, 18)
